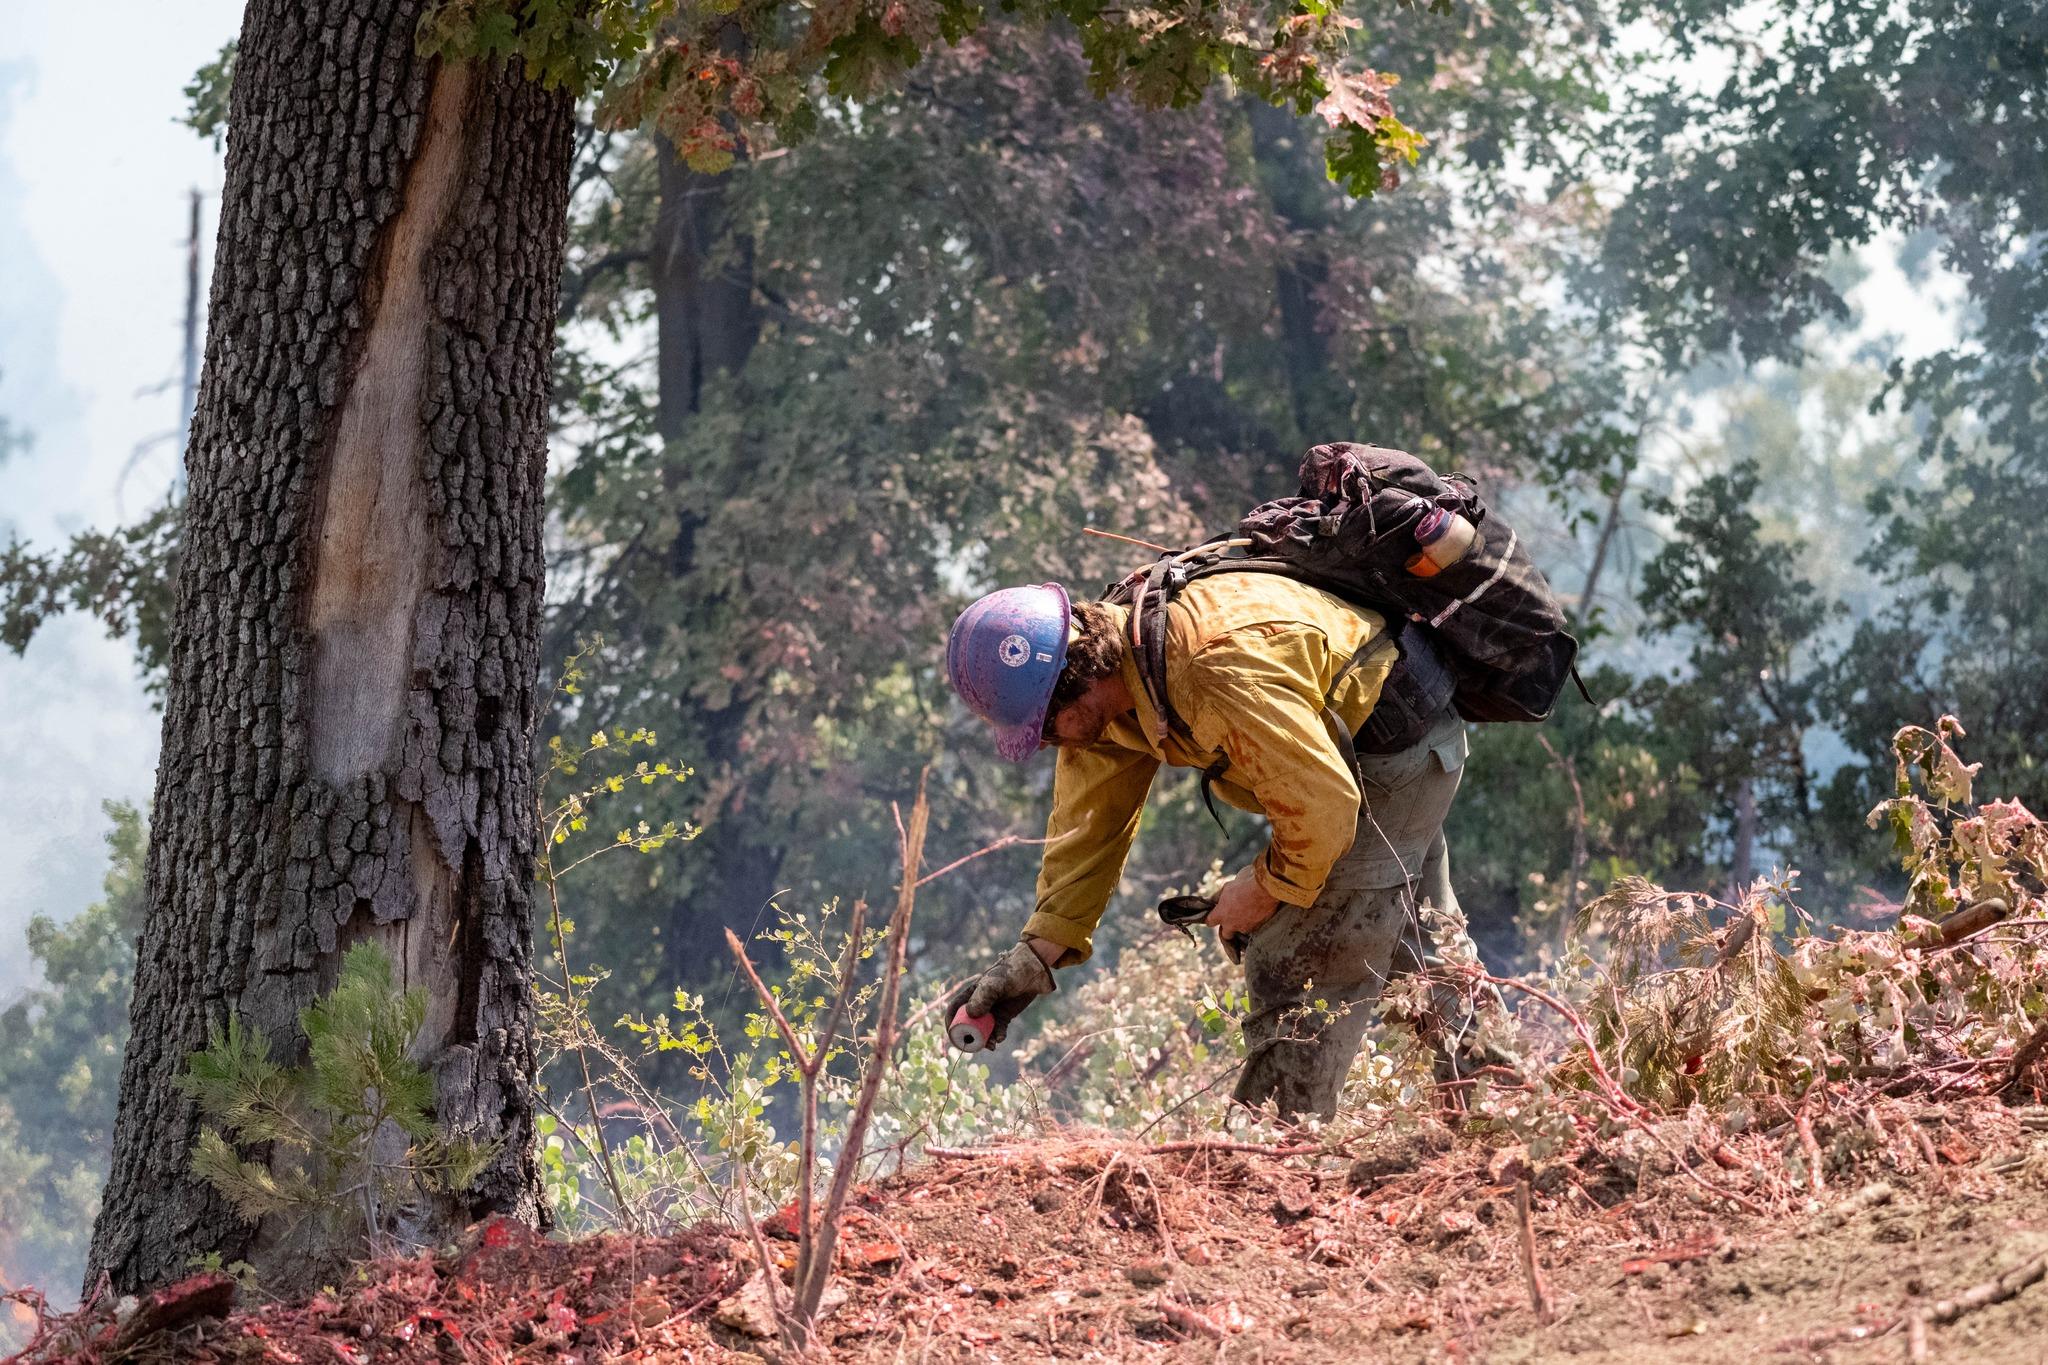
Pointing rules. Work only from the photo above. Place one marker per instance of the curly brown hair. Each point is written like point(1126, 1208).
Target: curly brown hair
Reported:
point(1095, 652)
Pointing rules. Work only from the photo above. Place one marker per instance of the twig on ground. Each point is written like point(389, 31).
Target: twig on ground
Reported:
point(1189, 1321)
point(2006, 1286)
point(1159, 1208)
point(1158, 1149)
point(969, 1153)
point(1926, 1146)
point(1250, 1148)
point(771, 1282)
point(1803, 1125)
point(1815, 1342)
point(1914, 1321)
point(1539, 1293)
point(1102, 1182)
point(1916, 1336)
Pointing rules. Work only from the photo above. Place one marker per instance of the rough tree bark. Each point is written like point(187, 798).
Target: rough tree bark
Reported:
point(352, 684)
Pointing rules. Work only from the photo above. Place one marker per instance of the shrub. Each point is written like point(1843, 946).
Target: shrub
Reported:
point(351, 1134)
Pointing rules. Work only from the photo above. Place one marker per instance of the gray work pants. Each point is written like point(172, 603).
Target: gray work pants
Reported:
point(1361, 932)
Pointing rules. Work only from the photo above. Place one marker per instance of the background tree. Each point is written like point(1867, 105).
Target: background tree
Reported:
point(1836, 123)
point(60, 1059)
point(990, 314)
point(1746, 702)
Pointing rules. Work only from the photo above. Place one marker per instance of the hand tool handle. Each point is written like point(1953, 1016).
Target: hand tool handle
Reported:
point(970, 1032)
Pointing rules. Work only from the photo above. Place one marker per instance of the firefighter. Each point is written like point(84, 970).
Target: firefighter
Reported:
point(1269, 680)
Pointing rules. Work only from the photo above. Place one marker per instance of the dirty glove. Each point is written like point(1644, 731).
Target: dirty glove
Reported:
point(1004, 990)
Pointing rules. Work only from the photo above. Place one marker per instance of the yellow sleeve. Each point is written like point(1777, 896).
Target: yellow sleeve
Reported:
point(1262, 707)
point(1097, 796)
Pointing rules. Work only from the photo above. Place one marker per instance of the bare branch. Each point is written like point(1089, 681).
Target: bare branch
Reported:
point(782, 1025)
point(1007, 841)
point(842, 999)
point(813, 1273)
point(1539, 1293)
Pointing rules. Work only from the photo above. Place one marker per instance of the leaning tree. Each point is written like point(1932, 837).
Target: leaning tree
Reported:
point(351, 687)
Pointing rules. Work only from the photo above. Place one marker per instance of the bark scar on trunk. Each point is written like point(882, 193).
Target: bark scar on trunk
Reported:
point(370, 561)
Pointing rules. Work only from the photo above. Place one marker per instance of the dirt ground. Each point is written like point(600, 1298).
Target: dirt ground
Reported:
point(1033, 1256)
point(1406, 1249)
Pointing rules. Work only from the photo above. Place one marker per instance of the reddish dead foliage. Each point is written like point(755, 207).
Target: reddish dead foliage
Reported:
point(502, 1294)
point(1410, 1246)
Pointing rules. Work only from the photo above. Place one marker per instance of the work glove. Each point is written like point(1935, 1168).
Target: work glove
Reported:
point(1004, 991)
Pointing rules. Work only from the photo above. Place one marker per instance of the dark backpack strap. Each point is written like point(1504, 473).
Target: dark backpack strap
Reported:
point(1209, 776)
point(1162, 583)
point(1347, 742)
point(1161, 586)
point(1580, 683)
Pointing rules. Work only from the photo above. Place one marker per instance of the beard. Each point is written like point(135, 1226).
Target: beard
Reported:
point(1080, 723)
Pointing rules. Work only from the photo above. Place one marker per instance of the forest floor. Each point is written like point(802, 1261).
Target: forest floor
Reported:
point(1925, 1242)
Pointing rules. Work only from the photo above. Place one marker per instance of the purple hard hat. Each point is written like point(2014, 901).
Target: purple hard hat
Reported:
point(1003, 657)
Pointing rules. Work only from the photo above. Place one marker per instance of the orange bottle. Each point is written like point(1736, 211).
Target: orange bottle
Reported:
point(1442, 538)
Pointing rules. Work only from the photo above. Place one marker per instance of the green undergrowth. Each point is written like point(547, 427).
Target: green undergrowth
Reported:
point(1741, 1009)
point(1661, 1004)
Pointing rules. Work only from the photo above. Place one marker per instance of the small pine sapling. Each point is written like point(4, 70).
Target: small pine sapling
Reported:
point(351, 1133)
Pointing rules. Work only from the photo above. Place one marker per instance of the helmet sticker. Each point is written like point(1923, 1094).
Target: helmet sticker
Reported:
point(1014, 651)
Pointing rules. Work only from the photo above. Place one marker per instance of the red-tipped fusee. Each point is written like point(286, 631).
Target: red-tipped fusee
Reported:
point(970, 1032)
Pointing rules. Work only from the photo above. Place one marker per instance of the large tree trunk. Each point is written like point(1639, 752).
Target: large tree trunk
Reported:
point(705, 319)
point(706, 325)
point(1289, 167)
point(351, 691)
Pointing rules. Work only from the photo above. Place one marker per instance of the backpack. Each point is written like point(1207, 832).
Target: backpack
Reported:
point(1483, 634)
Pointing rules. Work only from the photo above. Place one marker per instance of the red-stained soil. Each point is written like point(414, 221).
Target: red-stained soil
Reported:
point(1407, 1250)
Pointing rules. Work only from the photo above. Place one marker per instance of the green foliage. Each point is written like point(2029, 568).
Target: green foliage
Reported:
point(1545, 817)
point(1851, 119)
point(1962, 624)
point(61, 1042)
point(124, 577)
point(1848, 121)
point(206, 96)
point(677, 1164)
point(1138, 1046)
point(1744, 705)
point(740, 75)
point(575, 43)
point(350, 1134)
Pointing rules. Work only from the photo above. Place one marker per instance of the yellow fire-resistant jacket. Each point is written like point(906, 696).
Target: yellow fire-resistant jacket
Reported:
point(1249, 659)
